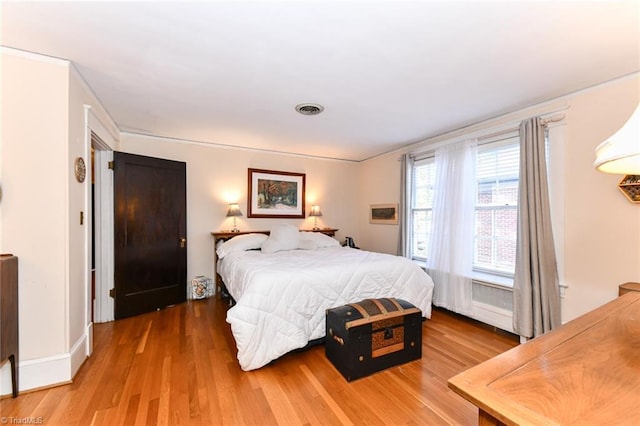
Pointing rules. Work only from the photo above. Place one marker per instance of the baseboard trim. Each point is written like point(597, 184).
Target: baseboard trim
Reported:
point(37, 373)
point(46, 372)
point(89, 333)
point(78, 354)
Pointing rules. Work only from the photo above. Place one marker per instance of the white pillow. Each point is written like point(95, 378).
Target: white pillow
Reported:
point(307, 244)
point(241, 243)
point(321, 240)
point(282, 238)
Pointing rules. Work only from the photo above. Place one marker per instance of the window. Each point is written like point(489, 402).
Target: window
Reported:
point(496, 213)
point(424, 173)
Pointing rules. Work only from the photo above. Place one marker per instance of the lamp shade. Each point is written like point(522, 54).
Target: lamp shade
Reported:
point(315, 211)
point(620, 153)
point(234, 210)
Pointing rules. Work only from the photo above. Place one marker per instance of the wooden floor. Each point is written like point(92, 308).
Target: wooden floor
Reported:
point(178, 366)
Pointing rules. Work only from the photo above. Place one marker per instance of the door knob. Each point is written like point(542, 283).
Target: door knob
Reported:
point(183, 242)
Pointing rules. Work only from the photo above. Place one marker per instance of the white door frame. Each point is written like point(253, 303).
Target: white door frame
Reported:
point(102, 141)
point(104, 256)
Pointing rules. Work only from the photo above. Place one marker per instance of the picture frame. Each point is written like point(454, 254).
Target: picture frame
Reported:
point(275, 194)
point(385, 214)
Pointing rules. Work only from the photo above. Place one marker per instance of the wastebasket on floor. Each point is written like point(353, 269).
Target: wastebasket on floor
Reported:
point(202, 287)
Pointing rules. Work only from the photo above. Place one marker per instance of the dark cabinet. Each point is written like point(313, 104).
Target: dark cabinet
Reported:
point(9, 315)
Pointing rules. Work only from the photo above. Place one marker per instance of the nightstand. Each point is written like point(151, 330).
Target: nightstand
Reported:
point(628, 288)
point(326, 231)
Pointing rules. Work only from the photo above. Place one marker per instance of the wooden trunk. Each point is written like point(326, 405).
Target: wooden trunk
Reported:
point(371, 335)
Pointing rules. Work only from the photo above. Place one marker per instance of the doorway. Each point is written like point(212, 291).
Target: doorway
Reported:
point(102, 231)
point(150, 229)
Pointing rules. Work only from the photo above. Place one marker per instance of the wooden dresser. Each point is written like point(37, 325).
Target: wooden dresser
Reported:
point(9, 316)
point(585, 372)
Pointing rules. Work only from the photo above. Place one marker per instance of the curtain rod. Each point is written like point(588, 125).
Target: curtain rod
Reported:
point(556, 117)
point(545, 122)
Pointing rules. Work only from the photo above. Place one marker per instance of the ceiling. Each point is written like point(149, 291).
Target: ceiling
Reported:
point(388, 73)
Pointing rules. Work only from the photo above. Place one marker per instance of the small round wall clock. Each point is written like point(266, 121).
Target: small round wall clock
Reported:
point(80, 169)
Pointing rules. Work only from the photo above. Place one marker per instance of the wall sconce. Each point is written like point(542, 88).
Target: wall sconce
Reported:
point(315, 213)
point(234, 211)
point(620, 153)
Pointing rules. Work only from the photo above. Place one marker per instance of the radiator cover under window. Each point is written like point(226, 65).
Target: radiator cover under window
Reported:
point(500, 297)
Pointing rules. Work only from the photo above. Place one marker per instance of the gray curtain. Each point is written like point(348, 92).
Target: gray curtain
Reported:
point(404, 210)
point(536, 293)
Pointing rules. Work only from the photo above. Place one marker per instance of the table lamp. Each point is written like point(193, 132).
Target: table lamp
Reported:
point(234, 211)
point(315, 212)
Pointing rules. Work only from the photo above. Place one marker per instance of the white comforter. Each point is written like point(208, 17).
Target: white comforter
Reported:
point(281, 298)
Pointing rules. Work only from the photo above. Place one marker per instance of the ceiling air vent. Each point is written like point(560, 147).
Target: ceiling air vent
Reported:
point(309, 109)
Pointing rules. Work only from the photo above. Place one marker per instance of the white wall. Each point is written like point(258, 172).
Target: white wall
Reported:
point(602, 226)
point(217, 176)
point(34, 186)
point(42, 133)
point(601, 229)
point(81, 101)
point(379, 183)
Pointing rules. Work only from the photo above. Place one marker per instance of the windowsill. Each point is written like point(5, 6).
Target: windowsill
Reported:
point(496, 280)
point(483, 277)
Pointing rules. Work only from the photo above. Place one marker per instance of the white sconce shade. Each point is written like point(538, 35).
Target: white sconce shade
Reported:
point(620, 153)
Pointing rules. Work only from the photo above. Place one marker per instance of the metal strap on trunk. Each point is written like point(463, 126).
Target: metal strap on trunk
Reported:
point(368, 318)
point(379, 305)
point(395, 302)
point(360, 309)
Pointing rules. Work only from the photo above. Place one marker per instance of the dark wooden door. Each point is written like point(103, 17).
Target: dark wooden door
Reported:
point(150, 233)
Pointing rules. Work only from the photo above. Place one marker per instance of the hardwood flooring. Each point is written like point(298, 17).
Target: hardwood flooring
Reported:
point(177, 366)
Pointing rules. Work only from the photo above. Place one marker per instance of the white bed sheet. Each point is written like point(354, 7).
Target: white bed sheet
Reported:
point(281, 298)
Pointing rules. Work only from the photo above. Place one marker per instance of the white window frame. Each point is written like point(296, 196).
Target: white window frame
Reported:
point(430, 159)
point(490, 274)
point(494, 276)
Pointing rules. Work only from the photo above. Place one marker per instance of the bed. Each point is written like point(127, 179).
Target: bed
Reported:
point(283, 283)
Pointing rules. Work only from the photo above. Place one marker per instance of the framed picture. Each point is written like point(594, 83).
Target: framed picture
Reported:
point(275, 194)
point(383, 213)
